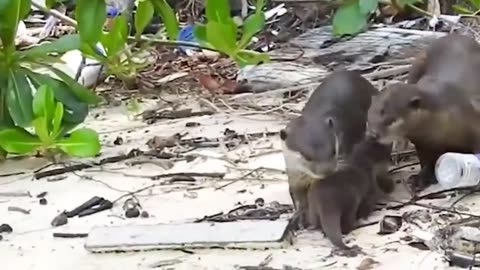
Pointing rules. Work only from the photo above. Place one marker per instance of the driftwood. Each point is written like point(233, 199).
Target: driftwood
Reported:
point(321, 55)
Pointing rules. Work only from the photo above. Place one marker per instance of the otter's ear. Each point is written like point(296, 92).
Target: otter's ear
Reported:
point(283, 135)
point(415, 102)
point(330, 122)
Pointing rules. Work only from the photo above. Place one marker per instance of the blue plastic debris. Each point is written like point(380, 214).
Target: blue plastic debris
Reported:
point(186, 34)
point(112, 11)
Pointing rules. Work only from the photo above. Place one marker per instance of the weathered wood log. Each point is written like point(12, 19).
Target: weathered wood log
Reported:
point(359, 53)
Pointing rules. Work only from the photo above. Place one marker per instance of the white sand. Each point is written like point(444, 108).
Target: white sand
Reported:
point(31, 245)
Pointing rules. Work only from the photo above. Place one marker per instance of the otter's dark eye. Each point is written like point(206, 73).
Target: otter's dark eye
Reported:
point(283, 135)
point(382, 112)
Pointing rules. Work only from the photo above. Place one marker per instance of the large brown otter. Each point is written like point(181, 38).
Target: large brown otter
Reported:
point(439, 107)
point(315, 143)
point(336, 202)
point(436, 122)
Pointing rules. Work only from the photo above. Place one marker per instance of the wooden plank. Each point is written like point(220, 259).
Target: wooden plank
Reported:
point(243, 234)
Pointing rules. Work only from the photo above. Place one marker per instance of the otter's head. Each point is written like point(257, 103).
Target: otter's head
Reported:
point(311, 146)
point(395, 111)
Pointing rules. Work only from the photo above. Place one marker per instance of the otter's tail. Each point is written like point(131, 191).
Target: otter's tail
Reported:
point(331, 226)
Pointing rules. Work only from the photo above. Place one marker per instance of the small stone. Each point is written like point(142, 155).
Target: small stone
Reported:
point(6, 228)
point(43, 201)
point(60, 220)
point(260, 202)
point(132, 213)
point(144, 214)
point(192, 124)
point(118, 141)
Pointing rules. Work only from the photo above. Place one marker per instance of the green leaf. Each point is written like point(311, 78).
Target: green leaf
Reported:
point(168, 17)
point(5, 119)
point(143, 16)
point(18, 141)
point(90, 16)
point(247, 57)
point(88, 50)
point(75, 110)
point(81, 143)
point(462, 10)
point(218, 11)
point(4, 6)
point(79, 90)
point(403, 3)
point(41, 130)
point(115, 40)
point(25, 7)
point(368, 6)
point(19, 98)
point(222, 36)
point(61, 45)
point(475, 3)
point(348, 19)
point(3, 154)
point(251, 26)
point(50, 3)
point(259, 5)
point(200, 32)
point(57, 120)
point(44, 105)
point(11, 12)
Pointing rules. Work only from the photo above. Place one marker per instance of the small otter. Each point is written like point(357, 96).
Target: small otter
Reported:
point(438, 107)
point(336, 202)
point(436, 122)
point(316, 142)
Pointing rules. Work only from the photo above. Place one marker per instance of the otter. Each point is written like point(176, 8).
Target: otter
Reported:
point(336, 202)
point(436, 122)
point(437, 108)
point(319, 140)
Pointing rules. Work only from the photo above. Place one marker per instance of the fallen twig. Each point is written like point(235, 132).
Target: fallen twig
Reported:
point(191, 174)
point(16, 194)
point(70, 235)
point(78, 167)
point(18, 209)
point(240, 178)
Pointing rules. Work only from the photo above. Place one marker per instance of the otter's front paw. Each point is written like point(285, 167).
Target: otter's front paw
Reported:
point(350, 252)
point(421, 180)
point(299, 220)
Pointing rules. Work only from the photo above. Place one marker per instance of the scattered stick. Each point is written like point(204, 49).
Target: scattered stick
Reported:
point(12, 174)
point(82, 166)
point(403, 167)
point(18, 209)
point(395, 71)
point(16, 194)
point(189, 174)
point(240, 178)
point(70, 235)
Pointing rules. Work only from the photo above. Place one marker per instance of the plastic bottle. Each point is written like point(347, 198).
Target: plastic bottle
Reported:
point(458, 170)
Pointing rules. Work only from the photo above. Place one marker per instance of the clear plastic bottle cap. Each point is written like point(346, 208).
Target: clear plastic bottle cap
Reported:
point(448, 171)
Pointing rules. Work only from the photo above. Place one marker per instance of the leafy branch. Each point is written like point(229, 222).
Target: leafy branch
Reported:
point(353, 15)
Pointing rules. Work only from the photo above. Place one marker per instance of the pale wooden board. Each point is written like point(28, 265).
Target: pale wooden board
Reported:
point(243, 234)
